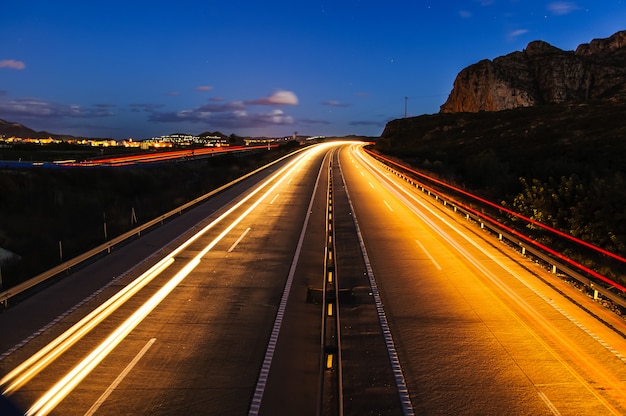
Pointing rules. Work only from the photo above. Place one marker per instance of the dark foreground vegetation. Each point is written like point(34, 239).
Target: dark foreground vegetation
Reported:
point(564, 166)
point(41, 207)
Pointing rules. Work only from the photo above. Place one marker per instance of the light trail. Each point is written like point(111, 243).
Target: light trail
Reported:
point(259, 390)
point(588, 363)
point(503, 209)
point(40, 360)
point(521, 236)
point(61, 389)
point(162, 156)
point(398, 374)
point(120, 377)
point(33, 365)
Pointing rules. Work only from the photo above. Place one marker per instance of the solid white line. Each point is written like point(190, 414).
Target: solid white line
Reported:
point(388, 206)
point(428, 254)
point(119, 378)
point(239, 239)
point(274, 199)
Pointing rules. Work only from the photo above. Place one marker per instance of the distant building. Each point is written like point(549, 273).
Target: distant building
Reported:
point(188, 140)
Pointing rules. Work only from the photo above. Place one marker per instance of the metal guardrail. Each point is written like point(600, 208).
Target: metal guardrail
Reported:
point(34, 281)
point(556, 266)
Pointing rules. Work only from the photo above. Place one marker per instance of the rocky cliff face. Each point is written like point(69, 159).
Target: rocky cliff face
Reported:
point(542, 74)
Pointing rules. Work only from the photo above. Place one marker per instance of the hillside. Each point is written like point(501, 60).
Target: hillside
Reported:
point(40, 207)
point(563, 164)
point(11, 129)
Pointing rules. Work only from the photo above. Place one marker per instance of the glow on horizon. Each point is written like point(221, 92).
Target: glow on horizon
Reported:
point(140, 70)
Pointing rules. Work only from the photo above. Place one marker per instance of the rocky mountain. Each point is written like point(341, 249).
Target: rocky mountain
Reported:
point(542, 74)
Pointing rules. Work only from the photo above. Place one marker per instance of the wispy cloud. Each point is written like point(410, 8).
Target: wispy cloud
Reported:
point(334, 103)
point(144, 107)
point(12, 64)
point(280, 97)
point(562, 7)
point(367, 123)
point(514, 34)
point(34, 108)
point(465, 14)
point(313, 121)
point(204, 88)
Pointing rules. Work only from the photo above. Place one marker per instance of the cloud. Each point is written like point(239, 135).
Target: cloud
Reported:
point(223, 114)
point(13, 64)
point(562, 7)
point(280, 97)
point(313, 121)
point(367, 123)
point(465, 14)
point(34, 107)
point(230, 114)
point(334, 103)
point(204, 88)
point(173, 93)
point(517, 33)
point(135, 108)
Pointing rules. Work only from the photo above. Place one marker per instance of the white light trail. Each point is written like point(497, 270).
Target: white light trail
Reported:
point(33, 365)
point(62, 388)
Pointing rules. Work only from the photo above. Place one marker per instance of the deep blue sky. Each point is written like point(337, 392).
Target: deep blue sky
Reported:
point(145, 68)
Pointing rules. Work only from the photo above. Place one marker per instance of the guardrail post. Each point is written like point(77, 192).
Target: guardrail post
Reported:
point(554, 269)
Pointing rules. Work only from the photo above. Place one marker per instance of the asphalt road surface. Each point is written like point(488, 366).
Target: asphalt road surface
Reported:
point(212, 312)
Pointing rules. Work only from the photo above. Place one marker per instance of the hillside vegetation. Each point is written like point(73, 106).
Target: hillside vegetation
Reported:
point(562, 165)
point(40, 207)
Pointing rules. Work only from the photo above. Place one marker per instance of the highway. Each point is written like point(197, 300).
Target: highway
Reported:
point(218, 312)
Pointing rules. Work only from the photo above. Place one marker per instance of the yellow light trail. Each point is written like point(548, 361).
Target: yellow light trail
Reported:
point(590, 365)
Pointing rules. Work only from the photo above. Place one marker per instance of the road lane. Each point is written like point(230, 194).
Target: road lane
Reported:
point(206, 263)
point(474, 335)
point(477, 329)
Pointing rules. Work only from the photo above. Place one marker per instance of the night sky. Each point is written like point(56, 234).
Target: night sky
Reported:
point(141, 69)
